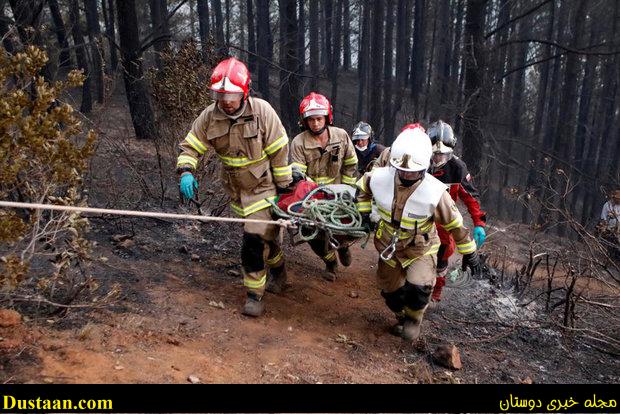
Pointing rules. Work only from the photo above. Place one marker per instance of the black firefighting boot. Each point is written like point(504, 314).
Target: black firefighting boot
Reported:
point(411, 324)
point(254, 306)
point(397, 329)
point(330, 270)
point(344, 254)
point(276, 282)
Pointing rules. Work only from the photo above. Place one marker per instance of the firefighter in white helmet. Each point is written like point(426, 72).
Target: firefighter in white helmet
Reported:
point(411, 203)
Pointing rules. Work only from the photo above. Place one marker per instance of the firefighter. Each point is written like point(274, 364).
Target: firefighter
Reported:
point(248, 138)
point(411, 203)
point(609, 224)
point(325, 154)
point(365, 148)
point(452, 171)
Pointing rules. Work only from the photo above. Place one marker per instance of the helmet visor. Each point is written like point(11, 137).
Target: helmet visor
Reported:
point(357, 136)
point(315, 112)
point(226, 96)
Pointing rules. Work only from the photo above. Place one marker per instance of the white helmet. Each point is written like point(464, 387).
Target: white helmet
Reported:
point(411, 151)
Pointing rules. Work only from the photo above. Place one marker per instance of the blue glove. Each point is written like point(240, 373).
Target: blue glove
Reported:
point(188, 184)
point(479, 235)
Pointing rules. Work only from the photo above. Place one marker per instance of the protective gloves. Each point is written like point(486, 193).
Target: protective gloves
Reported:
point(479, 236)
point(472, 260)
point(187, 184)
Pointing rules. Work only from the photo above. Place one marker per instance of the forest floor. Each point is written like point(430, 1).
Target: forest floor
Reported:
point(181, 291)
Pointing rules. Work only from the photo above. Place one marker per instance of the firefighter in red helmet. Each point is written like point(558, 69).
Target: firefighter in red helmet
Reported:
point(326, 155)
point(247, 136)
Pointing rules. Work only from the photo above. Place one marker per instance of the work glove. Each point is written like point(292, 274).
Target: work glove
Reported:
point(472, 260)
point(187, 184)
point(479, 236)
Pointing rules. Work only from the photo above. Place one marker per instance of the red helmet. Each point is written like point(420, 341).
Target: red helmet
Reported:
point(316, 104)
point(230, 77)
point(413, 126)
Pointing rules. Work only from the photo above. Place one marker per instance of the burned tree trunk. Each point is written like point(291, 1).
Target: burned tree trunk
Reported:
point(364, 54)
point(376, 66)
point(336, 51)
point(346, 35)
point(135, 85)
point(418, 54)
point(110, 31)
point(474, 69)
point(203, 25)
point(313, 26)
point(289, 83)
point(251, 36)
point(301, 39)
point(219, 23)
point(64, 58)
point(264, 45)
point(96, 49)
point(80, 53)
point(388, 129)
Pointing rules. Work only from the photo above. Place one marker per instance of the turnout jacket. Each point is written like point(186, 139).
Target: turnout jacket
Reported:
point(253, 149)
point(411, 214)
point(455, 175)
point(364, 158)
point(336, 164)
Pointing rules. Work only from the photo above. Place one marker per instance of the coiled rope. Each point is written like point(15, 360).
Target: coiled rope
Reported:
point(337, 216)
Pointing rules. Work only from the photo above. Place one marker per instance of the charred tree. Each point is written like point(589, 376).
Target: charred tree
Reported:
point(80, 53)
point(251, 36)
point(110, 31)
point(388, 67)
point(264, 45)
point(327, 38)
point(289, 82)
point(474, 69)
point(64, 58)
point(160, 29)
point(301, 39)
point(364, 54)
point(219, 24)
point(96, 48)
point(133, 75)
point(376, 65)
point(346, 35)
point(335, 65)
point(203, 25)
point(418, 54)
point(313, 30)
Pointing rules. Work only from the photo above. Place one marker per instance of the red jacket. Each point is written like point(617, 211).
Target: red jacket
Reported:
point(455, 175)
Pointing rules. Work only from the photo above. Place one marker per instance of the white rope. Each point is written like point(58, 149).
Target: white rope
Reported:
point(35, 206)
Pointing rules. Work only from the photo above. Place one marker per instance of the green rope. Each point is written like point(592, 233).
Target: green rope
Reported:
point(328, 215)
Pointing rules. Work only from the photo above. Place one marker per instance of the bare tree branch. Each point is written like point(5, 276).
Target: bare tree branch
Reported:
point(580, 51)
point(508, 23)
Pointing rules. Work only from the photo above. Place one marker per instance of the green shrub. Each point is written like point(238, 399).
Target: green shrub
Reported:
point(43, 157)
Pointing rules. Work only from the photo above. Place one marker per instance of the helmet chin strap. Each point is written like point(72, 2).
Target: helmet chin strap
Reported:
point(319, 132)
